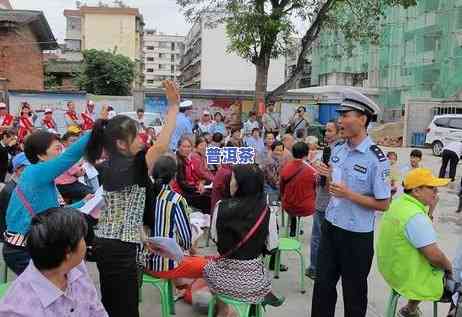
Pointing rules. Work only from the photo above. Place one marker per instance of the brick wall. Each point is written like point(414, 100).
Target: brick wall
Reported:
point(21, 59)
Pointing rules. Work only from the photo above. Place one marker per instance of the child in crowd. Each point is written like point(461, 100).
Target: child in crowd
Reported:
point(395, 174)
point(414, 162)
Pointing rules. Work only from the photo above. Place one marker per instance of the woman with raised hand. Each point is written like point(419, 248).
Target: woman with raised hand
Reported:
point(36, 191)
point(129, 202)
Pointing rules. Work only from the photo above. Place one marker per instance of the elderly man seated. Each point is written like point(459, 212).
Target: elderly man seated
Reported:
point(408, 255)
point(56, 282)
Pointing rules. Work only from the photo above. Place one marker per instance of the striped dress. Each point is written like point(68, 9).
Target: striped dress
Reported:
point(171, 216)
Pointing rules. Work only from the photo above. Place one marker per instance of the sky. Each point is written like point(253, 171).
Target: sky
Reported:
point(162, 15)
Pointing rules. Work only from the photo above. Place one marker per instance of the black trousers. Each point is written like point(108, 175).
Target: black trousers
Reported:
point(450, 157)
point(119, 276)
point(346, 255)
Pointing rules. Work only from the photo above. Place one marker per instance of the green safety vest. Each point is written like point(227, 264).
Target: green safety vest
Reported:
point(402, 266)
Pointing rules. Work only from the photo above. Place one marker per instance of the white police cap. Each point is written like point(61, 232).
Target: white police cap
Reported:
point(186, 104)
point(354, 100)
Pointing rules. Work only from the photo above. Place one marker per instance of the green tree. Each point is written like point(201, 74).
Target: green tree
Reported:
point(261, 30)
point(106, 73)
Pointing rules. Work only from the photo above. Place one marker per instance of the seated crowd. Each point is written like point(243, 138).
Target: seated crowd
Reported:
point(153, 184)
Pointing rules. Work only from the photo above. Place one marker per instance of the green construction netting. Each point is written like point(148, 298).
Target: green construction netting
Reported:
point(419, 55)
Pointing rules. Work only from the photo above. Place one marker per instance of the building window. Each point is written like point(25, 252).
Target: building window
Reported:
point(164, 45)
point(150, 81)
point(173, 46)
point(150, 59)
point(161, 55)
point(172, 68)
point(172, 58)
point(160, 66)
point(150, 70)
point(150, 48)
point(172, 77)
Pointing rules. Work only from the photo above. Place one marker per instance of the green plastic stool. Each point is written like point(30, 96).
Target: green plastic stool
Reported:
point(165, 288)
point(3, 288)
point(291, 244)
point(242, 308)
point(393, 303)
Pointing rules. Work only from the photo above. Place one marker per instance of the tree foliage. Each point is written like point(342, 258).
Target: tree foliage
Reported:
point(106, 73)
point(260, 30)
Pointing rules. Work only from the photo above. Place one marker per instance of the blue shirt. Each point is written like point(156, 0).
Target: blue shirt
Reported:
point(183, 126)
point(420, 231)
point(362, 172)
point(37, 182)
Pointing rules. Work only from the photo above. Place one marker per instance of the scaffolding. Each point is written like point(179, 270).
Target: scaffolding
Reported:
point(419, 54)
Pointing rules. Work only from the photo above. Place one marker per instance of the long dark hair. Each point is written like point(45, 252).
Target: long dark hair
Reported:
point(237, 215)
point(250, 197)
point(106, 133)
point(164, 172)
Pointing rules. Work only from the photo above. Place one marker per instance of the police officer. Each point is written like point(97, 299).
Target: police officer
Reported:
point(358, 174)
point(184, 124)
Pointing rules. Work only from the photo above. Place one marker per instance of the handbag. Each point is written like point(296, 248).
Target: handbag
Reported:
point(247, 236)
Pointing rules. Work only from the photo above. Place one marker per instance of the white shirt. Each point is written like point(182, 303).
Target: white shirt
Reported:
point(455, 146)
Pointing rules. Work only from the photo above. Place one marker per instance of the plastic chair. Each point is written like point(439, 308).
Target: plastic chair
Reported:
point(242, 308)
point(291, 244)
point(3, 288)
point(393, 303)
point(165, 288)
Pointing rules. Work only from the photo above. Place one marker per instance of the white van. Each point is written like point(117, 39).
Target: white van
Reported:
point(442, 130)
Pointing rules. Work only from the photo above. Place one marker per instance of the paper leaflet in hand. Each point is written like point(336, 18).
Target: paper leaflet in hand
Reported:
point(166, 247)
point(95, 204)
point(198, 221)
point(336, 179)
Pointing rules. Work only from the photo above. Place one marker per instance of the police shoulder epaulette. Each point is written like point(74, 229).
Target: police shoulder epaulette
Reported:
point(378, 152)
point(339, 143)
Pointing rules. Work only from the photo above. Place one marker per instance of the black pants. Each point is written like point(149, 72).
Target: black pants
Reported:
point(450, 157)
point(119, 277)
point(347, 255)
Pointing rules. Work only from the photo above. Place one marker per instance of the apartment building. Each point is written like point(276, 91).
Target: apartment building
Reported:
point(207, 64)
point(117, 29)
point(162, 55)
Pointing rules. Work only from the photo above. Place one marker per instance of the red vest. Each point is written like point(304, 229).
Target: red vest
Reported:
point(7, 120)
point(49, 123)
point(25, 127)
point(72, 115)
point(88, 121)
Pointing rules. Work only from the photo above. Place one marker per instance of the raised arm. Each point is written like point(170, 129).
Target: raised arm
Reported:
point(49, 170)
point(163, 140)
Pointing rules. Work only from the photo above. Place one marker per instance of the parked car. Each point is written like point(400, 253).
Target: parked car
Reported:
point(152, 119)
point(442, 130)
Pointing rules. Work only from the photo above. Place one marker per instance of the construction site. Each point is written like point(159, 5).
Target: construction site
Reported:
point(414, 73)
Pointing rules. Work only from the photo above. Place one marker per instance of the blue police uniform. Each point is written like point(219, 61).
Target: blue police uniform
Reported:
point(364, 170)
point(183, 127)
point(347, 236)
